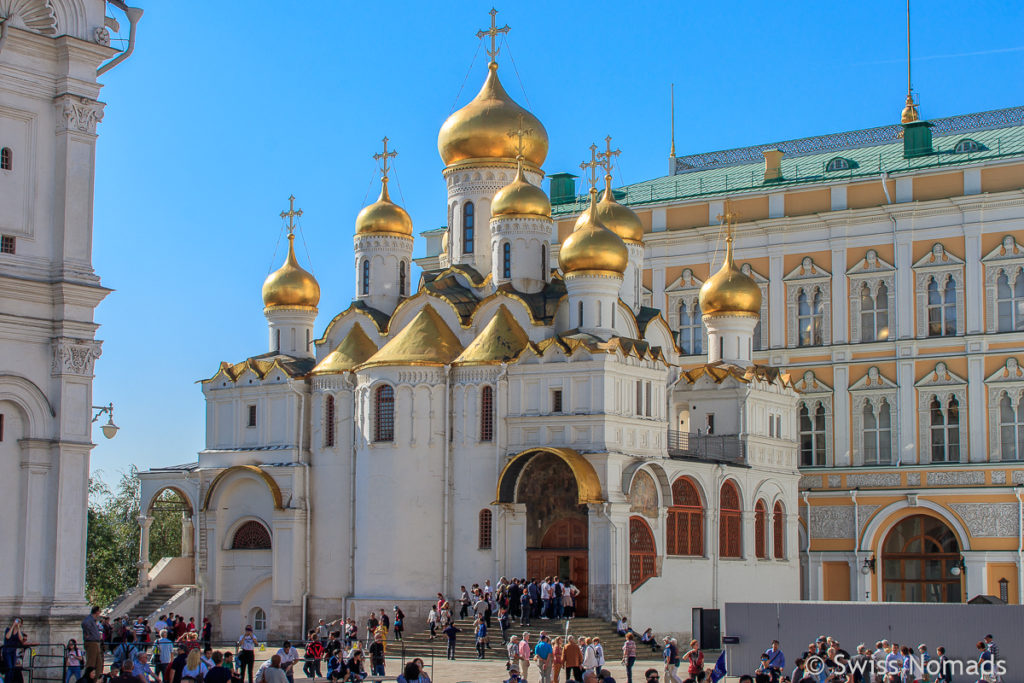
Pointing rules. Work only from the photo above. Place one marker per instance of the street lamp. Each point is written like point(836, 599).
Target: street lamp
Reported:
point(109, 429)
point(868, 567)
point(958, 568)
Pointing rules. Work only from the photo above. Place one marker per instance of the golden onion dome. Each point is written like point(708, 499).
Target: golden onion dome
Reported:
point(290, 285)
point(909, 114)
point(592, 246)
point(618, 218)
point(383, 216)
point(730, 290)
point(480, 129)
point(521, 198)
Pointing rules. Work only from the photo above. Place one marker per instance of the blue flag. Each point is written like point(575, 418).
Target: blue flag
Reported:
point(719, 671)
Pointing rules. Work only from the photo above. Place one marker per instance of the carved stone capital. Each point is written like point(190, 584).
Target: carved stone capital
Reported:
point(75, 356)
point(76, 113)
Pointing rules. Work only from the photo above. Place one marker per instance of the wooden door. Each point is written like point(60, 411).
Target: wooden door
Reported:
point(552, 562)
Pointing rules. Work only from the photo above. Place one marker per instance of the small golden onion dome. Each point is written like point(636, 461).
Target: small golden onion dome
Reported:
point(618, 218)
point(730, 290)
point(592, 246)
point(909, 114)
point(480, 129)
point(383, 216)
point(521, 198)
point(290, 285)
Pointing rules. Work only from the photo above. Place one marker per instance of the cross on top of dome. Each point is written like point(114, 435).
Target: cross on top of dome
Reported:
point(493, 32)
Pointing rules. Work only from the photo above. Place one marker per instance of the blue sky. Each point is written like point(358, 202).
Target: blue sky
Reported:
point(227, 108)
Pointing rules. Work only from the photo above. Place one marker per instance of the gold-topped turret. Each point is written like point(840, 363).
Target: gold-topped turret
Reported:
point(592, 246)
point(521, 197)
point(618, 218)
point(730, 290)
point(384, 216)
point(291, 285)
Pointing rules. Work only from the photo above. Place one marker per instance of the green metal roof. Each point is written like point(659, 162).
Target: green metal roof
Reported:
point(872, 152)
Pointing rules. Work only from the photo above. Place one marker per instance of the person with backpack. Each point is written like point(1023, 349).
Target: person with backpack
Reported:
point(126, 650)
point(312, 655)
point(399, 623)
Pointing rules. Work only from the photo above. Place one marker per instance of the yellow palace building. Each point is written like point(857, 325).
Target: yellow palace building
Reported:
point(890, 265)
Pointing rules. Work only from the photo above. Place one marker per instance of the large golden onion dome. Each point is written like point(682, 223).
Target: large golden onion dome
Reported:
point(618, 218)
point(480, 129)
point(730, 290)
point(290, 285)
point(592, 246)
point(521, 198)
point(383, 217)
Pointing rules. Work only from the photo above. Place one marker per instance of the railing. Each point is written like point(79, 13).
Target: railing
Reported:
point(716, 447)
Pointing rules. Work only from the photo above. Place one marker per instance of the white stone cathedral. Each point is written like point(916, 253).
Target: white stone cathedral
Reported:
point(506, 418)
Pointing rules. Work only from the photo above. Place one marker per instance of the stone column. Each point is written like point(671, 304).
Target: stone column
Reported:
point(187, 540)
point(144, 564)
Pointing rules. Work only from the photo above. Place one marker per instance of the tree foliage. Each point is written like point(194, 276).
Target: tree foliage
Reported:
point(112, 542)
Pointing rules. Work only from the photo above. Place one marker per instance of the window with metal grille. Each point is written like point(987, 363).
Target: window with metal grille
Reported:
point(487, 414)
point(945, 429)
point(7, 244)
point(506, 260)
point(6, 159)
point(252, 416)
point(730, 530)
point(941, 307)
point(779, 531)
point(251, 536)
point(556, 401)
point(761, 530)
point(401, 278)
point(329, 422)
point(485, 528)
point(467, 228)
point(642, 552)
point(685, 522)
point(366, 276)
point(384, 424)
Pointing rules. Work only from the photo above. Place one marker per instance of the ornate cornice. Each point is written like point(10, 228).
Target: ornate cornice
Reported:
point(74, 356)
point(77, 114)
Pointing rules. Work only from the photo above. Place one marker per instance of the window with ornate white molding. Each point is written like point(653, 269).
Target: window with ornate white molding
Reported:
point(941, 411)
point(1006, 412)
point(939, 286)
point(685, 315)
point(808, 299)
point(760, 331)
point(871, 298)
point(1004, 286)
point(814, 421)
point(874, 399)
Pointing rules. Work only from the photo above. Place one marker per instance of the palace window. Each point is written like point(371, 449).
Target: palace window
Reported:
point(917, 560)
point(945, 430)
point(251, 421)
point(808, 307)
point(384, 412)
point(556, 401)
point(642, 552)
point(941, 307)
point(730, 522)
point(874, 313)
point(1010, 300)
point(812, 435)
point(967, 146)
point(251, 536)
point(761, 530)
point(486, 526)
point(839, 164)
point(467, 228)
point(366, 276)
point(877, 432)
point(7, 244)
point(1011, 428)
point(810, 317)
point(779, 531)
point(329, 421)
point(6, 159)
point(401, 278)
point(691, 327)
point(506, 260)
point(685, 521)
point(487, 414)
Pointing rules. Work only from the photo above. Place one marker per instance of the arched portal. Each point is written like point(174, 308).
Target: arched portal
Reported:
point(918, 557)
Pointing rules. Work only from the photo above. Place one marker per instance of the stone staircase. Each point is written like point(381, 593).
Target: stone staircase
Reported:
point(156, 597)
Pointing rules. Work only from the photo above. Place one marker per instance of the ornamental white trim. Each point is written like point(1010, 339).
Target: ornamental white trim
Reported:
point(1007, 258)
point(685, 289)
point(813, 393)
point(872, 271)
point(873, 389)
point(1008, 380)
point(940, 384)
point(810, 278)
point(943, 266)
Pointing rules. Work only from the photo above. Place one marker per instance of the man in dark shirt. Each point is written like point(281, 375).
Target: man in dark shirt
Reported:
point(126, 674)
point(377, 656)
point(219, 673)
point(450, 630)
point(514, 591)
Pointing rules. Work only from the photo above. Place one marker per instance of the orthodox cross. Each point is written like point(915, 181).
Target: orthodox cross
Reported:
point(382, 158)
point(291, 214)
point(593, 165)
point(606, 159)
point(518, 134)
point(729, 218)
point(493, 33)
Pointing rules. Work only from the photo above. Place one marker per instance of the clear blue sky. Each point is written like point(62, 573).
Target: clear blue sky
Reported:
point(227, 108)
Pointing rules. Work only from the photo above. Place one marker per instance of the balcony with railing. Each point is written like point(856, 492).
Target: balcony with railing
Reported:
point(724, 448)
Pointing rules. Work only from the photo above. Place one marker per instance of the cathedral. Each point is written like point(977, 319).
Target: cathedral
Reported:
point(519, 411)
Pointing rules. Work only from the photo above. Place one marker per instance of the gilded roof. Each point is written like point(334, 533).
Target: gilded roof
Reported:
point(501, 340)
point(291, 284)
point(263, 365)
point(718, 372)
point(426, 340)
point(355, 349)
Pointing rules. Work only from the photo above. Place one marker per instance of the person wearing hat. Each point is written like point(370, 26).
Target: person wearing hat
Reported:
point(513, 676)
point(246, 652)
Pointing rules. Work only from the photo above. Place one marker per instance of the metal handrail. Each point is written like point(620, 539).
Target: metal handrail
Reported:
point(716, 447)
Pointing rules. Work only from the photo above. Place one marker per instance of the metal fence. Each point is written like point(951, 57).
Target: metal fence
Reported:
point(717, 447)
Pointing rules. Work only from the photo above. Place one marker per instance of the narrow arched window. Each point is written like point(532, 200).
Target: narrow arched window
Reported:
point(730, 531)
point(685, 521)
point(580, 314)
point(945, 430)
point(6, 159)
point(401, 278)
point(1010, 300)
point(941, 307)
point(812, 435)
point(366, 276)
point(486, 528)
point(778, 531)
point(329, 421)
point(544, 262)
point(467, 228)
point(251, 536)
point(384, 412)
point(506, 260)
point(761, 530)
point(277, 340)
point(643, 553)
point(487, 414)
point(1011, 427)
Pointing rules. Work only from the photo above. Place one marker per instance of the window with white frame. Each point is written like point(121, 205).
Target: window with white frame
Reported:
point(873, 399)
point(871, 299)
point(1004, 287)
point(1011, 427)
point(814, 421)
point(941, 410)
point(877, 416)
point(1006, 412)
point(685, 315)
point(760, 340)
point(808, 295)
point(939, 285)
point(944, 414)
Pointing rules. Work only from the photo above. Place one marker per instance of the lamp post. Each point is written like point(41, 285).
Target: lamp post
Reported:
point(109, 429)
point(868, 568)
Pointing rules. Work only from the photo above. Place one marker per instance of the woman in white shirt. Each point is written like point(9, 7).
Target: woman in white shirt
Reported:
point(589, 657)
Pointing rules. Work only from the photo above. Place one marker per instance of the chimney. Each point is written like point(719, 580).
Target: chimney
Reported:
point(773, 165)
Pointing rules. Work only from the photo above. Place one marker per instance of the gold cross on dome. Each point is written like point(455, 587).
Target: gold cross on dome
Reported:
point(729, 218)
point(593, 165)
point(606, 159)
point(493, 33)
point(382, 159)
point(291, 214)
point(519, 133)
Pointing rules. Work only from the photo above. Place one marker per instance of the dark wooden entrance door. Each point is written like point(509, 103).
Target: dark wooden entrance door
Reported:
point(563, 553)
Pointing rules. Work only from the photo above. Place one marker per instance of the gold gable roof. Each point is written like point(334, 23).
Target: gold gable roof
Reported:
point(355, 349)
point(426, 340)
point(501, 340)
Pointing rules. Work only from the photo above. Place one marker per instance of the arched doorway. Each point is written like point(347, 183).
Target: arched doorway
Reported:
point(918, 557)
